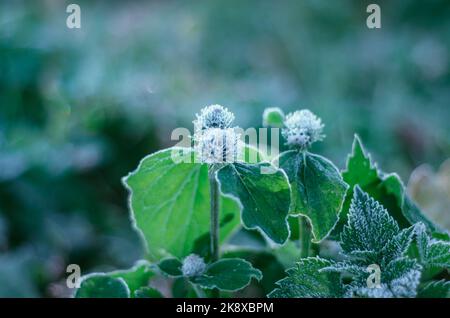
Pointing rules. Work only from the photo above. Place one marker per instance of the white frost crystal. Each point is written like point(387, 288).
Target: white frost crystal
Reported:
point(215, 145)
point(302, 128)
point(213, 116)
point(193, 265)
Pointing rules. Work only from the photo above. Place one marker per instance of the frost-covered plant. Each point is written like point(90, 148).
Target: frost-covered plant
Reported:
point(372, 238)
point(186, 211)
point(411, 253)
point(318, 190)
point(170, 200)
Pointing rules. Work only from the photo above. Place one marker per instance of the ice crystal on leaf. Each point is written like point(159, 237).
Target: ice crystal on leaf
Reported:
point(371, 233)
point(432, 253)
point(372, 236)
point(305, 281)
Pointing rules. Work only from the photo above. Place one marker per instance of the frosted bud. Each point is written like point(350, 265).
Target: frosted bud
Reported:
point(193, 265)
point(302, 128)
point(215, 145)
point(214, 116)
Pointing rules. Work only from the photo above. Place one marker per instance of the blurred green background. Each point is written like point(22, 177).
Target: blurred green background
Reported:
point(80, 107)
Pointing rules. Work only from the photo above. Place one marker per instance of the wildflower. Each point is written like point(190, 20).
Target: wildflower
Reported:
point(213, 116)
point(302, 128)
point(215, 145)
point(193, 265)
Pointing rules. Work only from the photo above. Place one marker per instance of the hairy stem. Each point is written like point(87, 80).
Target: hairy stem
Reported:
point(214, 230)
point(305, 236)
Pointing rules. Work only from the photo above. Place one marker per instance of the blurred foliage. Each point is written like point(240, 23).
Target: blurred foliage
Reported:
point(80, 107)
point(431, 190)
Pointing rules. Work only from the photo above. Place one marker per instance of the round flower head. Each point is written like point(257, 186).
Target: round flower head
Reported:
point(215, 145)
point(193, 265)
point(214, 116)
point(302, 128)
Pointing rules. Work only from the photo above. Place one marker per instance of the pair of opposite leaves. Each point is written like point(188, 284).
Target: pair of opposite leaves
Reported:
point(170, 201)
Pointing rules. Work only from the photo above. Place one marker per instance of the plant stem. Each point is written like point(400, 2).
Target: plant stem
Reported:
point(305, 236)
point(214, 230)
point(303, 226)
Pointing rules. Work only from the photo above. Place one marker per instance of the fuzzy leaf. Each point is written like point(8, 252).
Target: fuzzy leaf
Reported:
point(370, 227)
point(402, 276)
point(432, 253)
point(434, 289)
point(170, 203)
point(318, 190)
point(372, 237)
point(102, 286)
point(399, 279)
point(264, 198)
point(228, 274)
point(398, 246)
point(306, 281)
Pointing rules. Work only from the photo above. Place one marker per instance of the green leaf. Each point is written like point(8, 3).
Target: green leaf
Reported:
point(307, 281)
point(264, 198)
point(228, 274)
point(373, 237)
point(170, 203)
point(171, 267)
point(360, 169)
point(432, 253)
point(388, 189)
point(264, 260)
point(394, 186)
point(318, 190)
point(102, 286)
point(147, 292)
point(273, 117)
point(135, 277)
point(402, 275)
point(434, 289)
point(250, 154)
point(400, 243)
point(399, 278)
point(369, 228)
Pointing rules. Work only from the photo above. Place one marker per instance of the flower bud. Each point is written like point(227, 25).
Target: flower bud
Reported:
point(193, 265)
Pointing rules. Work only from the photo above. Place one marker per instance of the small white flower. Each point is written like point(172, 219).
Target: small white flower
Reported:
point(193, 265)
point(302, 128)
point(215, 145)
point(213, 116)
